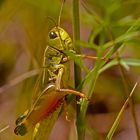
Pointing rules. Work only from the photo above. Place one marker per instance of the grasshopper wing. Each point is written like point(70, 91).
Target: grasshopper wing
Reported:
point(43, 128)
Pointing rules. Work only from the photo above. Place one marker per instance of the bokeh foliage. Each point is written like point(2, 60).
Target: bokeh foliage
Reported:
point(105, 25)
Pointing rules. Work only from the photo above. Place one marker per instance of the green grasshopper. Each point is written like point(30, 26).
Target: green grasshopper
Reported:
point(51, 91)
point(54, 81)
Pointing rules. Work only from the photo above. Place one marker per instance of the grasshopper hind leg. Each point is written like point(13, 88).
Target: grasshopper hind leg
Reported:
point(71, 91)
point(20, 130)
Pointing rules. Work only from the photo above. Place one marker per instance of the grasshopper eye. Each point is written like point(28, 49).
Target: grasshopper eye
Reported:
point(52, 35)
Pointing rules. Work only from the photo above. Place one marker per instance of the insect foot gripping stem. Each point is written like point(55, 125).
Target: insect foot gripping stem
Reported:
point(20, 130)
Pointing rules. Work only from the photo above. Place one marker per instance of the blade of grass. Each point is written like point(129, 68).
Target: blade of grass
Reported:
point(126, 88)
point(125, 62)
point(131, 61)
point(4, 128)
point(18, 79)
point(123, 38)
point(117, 120)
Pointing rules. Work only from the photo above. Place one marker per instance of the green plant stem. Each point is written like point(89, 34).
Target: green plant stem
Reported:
point(84, 103)
point(76, 37)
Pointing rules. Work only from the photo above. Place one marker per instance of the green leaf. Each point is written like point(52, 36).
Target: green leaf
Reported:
point(109, 65)
point(125, 62)
point(131, 61)
point(121, 39)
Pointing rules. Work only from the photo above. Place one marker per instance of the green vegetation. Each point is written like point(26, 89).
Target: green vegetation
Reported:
point(109, 30)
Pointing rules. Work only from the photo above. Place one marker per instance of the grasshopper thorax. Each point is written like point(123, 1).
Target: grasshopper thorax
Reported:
point(59, 39)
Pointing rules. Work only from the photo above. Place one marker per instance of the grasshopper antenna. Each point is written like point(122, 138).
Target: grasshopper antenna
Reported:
point(60, 13)
point(59, 18)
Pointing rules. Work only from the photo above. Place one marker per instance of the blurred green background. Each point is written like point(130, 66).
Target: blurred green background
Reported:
point(23, 36)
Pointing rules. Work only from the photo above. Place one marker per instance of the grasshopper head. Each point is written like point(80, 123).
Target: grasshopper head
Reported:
point(20, 129)
point(59, 39)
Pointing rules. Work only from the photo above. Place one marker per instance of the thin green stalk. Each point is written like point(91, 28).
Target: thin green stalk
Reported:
point(84, 103)
point(80, 123)
point(117, 120)
point(76, 37)
point(125, 83)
